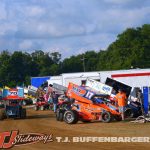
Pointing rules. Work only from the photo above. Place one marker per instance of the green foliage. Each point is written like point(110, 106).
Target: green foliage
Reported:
point(131, 49)
point(17, 68)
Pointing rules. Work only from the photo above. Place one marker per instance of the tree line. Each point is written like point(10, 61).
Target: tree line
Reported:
point(130, 50)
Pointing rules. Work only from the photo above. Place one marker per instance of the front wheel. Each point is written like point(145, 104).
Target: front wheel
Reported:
point(71, 117)
point(106, 117)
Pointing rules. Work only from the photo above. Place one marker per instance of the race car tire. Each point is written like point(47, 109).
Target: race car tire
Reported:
point(106, 117)
point(59, 115)
point(71, 116)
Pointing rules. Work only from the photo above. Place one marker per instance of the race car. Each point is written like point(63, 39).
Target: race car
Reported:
point(89, 106)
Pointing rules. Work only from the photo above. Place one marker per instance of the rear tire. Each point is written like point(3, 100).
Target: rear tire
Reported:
point(106, 117)
point(71, 116)
point(59, 115)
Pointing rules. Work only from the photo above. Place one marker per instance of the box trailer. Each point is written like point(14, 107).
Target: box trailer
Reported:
point(79, 78)
point(131, 77)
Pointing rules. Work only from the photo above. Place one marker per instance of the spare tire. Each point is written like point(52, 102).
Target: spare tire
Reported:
point(106, 116)
point(71, 116)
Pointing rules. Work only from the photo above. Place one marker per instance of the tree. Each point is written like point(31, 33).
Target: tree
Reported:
point(5, 67)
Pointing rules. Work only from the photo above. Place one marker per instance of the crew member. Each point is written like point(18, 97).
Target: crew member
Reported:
point(121, 101)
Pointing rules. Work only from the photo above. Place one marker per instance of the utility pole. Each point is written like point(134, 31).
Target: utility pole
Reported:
point(83, 59)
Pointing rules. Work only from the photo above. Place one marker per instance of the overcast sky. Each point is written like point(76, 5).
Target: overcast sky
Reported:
point(67, 26)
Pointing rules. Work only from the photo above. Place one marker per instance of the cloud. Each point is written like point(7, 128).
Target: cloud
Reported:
point(26, 44)
point(68, 26)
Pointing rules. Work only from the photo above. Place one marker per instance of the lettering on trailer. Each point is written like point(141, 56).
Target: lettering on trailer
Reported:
point(98, 86)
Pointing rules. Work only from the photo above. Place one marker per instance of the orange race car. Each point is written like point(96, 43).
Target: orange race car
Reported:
point(89, 106)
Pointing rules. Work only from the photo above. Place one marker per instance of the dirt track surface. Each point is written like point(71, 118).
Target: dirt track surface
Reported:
point(45, 122)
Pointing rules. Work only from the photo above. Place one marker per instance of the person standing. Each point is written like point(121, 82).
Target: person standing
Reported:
point(55, 100)
point(49, 93)
point(121, 101)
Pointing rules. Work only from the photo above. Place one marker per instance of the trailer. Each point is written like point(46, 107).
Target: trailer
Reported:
point(55, 79)
point(131, 77)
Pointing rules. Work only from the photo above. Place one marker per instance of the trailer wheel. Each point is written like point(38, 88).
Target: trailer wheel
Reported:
point(23, 113)
point(106, 117)
point(71, 117)
point(59, 115)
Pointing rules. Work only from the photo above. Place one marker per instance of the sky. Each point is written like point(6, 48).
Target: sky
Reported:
point(69, 27)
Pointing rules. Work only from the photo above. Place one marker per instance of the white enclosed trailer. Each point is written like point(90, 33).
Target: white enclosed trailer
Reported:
point(131, 77)
point(79, 78)
point(55, 79)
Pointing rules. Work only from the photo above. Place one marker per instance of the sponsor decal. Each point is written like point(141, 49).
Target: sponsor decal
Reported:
point(79, 91)
point(13, 92)
point(10, 139)
point(98, 86)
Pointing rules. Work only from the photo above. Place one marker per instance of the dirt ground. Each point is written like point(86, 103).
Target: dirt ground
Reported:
point(45, 122)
